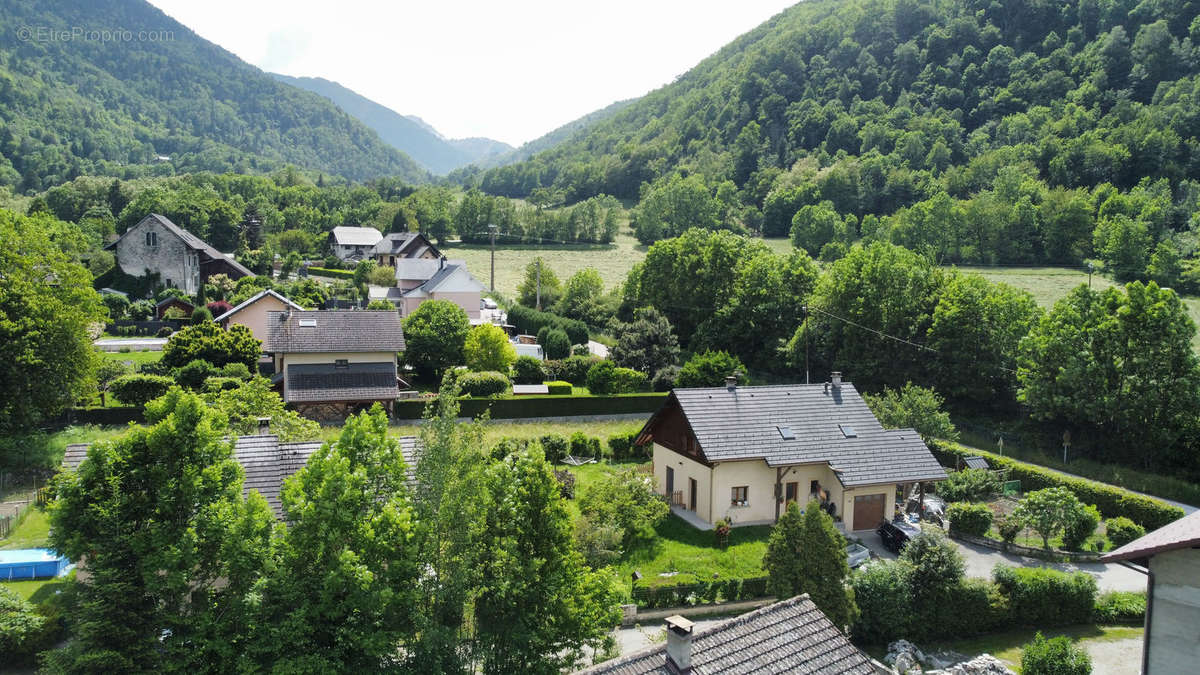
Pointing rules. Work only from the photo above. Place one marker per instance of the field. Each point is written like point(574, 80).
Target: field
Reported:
point(132, 358)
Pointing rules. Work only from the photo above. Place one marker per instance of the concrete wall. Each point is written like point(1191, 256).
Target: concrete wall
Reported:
point(254, 317)
point(175, 263)
point(685, 468)
point(1174, 638)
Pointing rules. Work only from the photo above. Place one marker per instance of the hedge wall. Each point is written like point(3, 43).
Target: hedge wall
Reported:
point(335, 274)
point(1112, 501)
point(693, 592)
point(542, 406)
point(102, 416)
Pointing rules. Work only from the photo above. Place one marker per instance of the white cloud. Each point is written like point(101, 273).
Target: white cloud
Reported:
point(506, 70)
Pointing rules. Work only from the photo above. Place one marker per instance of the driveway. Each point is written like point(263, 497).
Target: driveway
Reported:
point(980, 561)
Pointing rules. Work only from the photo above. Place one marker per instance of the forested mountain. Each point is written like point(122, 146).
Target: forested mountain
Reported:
point(116, 87)
point(411, 135)
point(1016, 132)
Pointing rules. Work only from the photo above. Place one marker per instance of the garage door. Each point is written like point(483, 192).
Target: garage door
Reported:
point(868, 511)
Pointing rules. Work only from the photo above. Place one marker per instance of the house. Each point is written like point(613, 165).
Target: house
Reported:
point(181, 260)
point(266, 461)
point(400, 245)
point(353, 243)
point(743, 453)
point(790, 636)
point(421, 279)
point(1171, 557)
point(169, 302)
point(333, 363)
point(252, 312)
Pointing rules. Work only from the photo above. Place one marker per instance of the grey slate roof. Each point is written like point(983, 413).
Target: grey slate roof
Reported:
point(313, 382)
point(743, 424)
point(974, 462)
point(335, 331)
point(255, 298)
point(192, 241)
point(791, 636)
point(1181, 534)
point(267, 463)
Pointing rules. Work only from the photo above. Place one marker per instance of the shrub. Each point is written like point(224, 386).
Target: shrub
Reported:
point(332, 273)
point(606, 378)
point(600, 543)
point(1008, 527)
point(566, 483)
point(573, 369)
point(582, 445)
point(117, 305)
point(378, 305)
point(1048, 511)
point(969, 485)
point(555, 446)
point(140, 389)
point(217, 384)
point(709, 369)
point(721, 530)
point(664, 379)
point(967, 518)
point(238, 370)
point(884, 598)
point(487, 348)
point(556, 344)
point(529, 321)
point(485, 383)
point(1122, 530)
point(163, 332)
point(629, 381)
point(195, 373)
point(626, 499)
point(559, 388)
point(619, 444)
point(1056, 656)
point(142, 310)
point(528, 370)
point(1081, 524)
point(210, 342)
point(201, 314)
point(580, 350)
point(1120, 607)
point(1045, 597)
point(23, 631)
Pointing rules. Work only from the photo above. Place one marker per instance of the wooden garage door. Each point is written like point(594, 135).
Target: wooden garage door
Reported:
point(868, 511)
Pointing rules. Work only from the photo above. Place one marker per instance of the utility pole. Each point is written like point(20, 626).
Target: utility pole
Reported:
point(539, 284)
point(1090, 268)
point(804, 308)
point(492, 232)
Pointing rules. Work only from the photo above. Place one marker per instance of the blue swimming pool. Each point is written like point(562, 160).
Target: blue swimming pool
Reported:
point(31, 563)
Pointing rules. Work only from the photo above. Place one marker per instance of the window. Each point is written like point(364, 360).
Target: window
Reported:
point(740, 496)
point(848, 431)
point(152, 239)
point(308, 323)
point(341, 364)
point(786, 433)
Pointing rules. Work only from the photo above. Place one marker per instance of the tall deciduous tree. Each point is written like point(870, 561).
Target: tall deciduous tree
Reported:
point(434, 335)
point(487, 348)
point(913, 407)
point(581, 297)
point(47, 308)
point(210, 342)
point(647, 343)
point(551, 287)
point(806, 554)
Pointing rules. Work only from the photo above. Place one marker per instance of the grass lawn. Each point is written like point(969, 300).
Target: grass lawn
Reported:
point(679, 547)
point(1006, 646)
point(133, 358)
point(33, 531)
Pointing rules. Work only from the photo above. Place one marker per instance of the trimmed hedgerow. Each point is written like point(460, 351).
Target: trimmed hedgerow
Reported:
point(485, 383)
point(559, 388)
point(967, 518)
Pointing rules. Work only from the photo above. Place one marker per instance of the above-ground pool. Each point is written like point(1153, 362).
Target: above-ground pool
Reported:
point(31, 563)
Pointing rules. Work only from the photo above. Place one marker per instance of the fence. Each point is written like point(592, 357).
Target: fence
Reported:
point(12, 521)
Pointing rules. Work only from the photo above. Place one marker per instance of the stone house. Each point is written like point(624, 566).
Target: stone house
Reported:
point(744, 453)
point(155, 245)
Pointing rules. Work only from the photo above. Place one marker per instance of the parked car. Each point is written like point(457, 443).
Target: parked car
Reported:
point(856, 554)
point(896, 533)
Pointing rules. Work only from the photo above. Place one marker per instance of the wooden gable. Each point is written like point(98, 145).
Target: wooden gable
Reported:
point(669, 428)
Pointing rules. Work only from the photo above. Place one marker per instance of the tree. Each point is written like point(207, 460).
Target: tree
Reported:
point(647, 343)
point(813, 226)
point(539, 605)
point(913, 407)
point(434, 336)
point(343, 595)
point(245, 405)
point(625, 498)
point(528, 370)
point(117, 305)
point(171, 546)
point(487, 348)
point(382, 275)
point(47, 310)
point(672, 206)
point(527, 290)
point(1048, 511)
point(581, 298)
point(806, 554)
point(212, 343)
point(201, 315)
point(381, 306)
point(936, 570)
point(362, 272)
point(139, 389)
point(106, 372)
point(1054, 656)
point(556, 344)
point(709, 369)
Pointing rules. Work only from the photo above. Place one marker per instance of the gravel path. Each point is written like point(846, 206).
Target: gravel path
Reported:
point(1116, 657)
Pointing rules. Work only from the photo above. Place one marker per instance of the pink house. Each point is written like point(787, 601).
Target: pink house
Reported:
point(421, 279)
point(253, 312)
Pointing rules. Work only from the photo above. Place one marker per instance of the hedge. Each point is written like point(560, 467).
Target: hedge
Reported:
point(573, 369)
point(140, 389)
point(1041, 597)
point(968, 518)
point(1121, 531)
point(335, 274)
point(622, 446)
point(1112, 501)
point(529, 321)
point(1120, 607)
point(485, 383)
point(541, 406)
point(559, 388)
point(685, 589)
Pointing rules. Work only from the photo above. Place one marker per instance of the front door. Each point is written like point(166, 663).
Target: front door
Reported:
point(791, 493)
point(670, 482)
point(692, 494)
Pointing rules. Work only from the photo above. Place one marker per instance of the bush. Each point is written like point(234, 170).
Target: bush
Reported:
point(556, 343)
point(1056, 656)
point(238, 370)
point(555, 446)
point(709, 369)
point(573, 369)
point(967, 518)
point(1079, 527)
point(1112, 502)
point(163, 332)
point(139, 389)
point(685, 589)
point(528, 370)
point(201, 314)
point(332, 273)
point(485, 383)
point(566, 483)
point(606, 378)
point(582, 445)
point(210, 342)
point(559, 388)
point(23, 631)
point(1122, 530)
point(217, 384)
point(1043, 597)
point(622, 447)
point(142, 310)
point(1008, 527)
point(600, 543)
point(884, 599)
point(626, 499)
point(629, 381)
point(664, 379)
point(969, 485)
point(195, 373)
point(1120, 607)
point(529, 321)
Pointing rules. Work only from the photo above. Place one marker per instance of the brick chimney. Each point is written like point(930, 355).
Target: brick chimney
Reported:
point(679, 644)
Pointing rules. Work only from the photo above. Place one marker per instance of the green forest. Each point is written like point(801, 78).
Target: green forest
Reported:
point(162, 106)
point(981, 132)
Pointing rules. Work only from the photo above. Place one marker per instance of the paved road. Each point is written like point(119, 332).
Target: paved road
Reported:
point(134, 344)
point(980, 562)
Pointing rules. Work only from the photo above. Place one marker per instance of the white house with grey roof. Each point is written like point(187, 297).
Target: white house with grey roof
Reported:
point(332, 363)
point(354, 243)
point(744, 453)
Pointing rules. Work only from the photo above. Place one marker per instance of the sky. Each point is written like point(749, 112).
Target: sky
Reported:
point(509, 70)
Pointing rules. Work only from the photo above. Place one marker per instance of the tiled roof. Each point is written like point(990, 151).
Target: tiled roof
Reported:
point(307, 383)
point(1183, 533)
point(830, 425)
point(791, 636)
point(334, 331)
point(190, 240)
point(267, 463)
point(356, 236)
point(255, 298)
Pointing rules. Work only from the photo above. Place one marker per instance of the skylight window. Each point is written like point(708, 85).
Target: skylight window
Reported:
point(786, 433)
point(848, 431)
point(308, 323)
